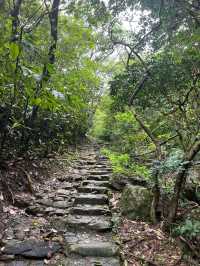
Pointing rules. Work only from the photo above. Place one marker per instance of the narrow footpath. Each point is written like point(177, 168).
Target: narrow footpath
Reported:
point(78, 220)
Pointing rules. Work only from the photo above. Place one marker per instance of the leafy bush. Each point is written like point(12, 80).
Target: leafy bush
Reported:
point(189, 228)
point(122, 164)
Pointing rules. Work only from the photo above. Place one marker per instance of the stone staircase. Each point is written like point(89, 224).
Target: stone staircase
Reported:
point(90, 220)
point(77, 207)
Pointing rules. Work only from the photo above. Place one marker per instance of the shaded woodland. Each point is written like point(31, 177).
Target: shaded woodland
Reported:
point(123, 74)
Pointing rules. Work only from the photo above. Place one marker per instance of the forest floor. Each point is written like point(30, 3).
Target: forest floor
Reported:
point(42, 217)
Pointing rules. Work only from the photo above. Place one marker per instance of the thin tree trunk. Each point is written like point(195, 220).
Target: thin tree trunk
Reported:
point(181, 178)
point(15, 19)
point(156, 188)
point(53, 18)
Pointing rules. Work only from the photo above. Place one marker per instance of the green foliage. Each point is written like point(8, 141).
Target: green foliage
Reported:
point(64, 99)
point(101, 126)
point(122, 164)
point(189, 228)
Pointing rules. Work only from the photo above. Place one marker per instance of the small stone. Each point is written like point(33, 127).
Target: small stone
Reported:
point(63, 192)
point(20, 234)
point(61, 204)
point(35, 209)
point(46, 202)
point(49, 209)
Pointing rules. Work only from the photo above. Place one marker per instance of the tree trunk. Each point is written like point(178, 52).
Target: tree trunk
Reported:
point(15, 19)
point(156, 188)
point(53, 18)
point(180, 180)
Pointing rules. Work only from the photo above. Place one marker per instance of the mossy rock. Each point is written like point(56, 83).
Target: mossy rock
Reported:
point(136, 202)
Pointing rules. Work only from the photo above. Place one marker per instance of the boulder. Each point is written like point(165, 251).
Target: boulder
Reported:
point(136, 202)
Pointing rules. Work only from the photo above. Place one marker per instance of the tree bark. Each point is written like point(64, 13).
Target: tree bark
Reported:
point(53, 19)
point(156, 188)
point(181, 178)
point(15, 19)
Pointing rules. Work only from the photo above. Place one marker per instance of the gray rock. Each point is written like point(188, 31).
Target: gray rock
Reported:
point(35, 209)
point(32, 249)
point(94, 249)
point(49, 209)
point(93, 190)
point(90, 210)
point(90, 262)
point(99, 177)
point(61, 204)
point(95, 223)
point(94, 183)
point(45, 202)
point(136, 202)
point(91, 199)
point(63, 192)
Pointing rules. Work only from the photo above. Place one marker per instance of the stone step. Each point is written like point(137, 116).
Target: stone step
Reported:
point(94, 183)
point(94, 249)
point(93, 190)
point(90, 210)
point(99, 172)
point(96, 223)
point(99, 177)
point(104, 167)
point(91, 261)
point(91, 199)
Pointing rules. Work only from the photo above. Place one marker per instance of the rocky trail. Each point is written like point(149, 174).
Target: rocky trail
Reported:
point(68, 222)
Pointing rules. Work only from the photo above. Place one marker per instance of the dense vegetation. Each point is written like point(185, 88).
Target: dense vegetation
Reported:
point(48, 77)
point(151, 114)
point(66, 62)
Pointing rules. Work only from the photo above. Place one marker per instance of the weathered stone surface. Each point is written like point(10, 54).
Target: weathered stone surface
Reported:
point(93, 190)
point(90, 262)
point(136, 202)
point(24, 262)
point(67, 185)
point(45, 202)
point(61, 204)
point(89, 222)
point(50, 209)
point(63, 192)
point(35, 209)
point(94, 183)
point(91, 199)
point(99, 177)
point(32, 249)
point(90, 210)
point(99, 172)
point(59, 212)
point(95, 249)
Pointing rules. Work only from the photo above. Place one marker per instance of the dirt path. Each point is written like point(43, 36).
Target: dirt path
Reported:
point(69, 221)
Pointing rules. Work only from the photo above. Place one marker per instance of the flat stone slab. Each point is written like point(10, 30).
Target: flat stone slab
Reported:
point(99, 177)
point(45, 202)
point(91, 199)
point(93, 190)
point(61, 204)
point(95, 223)
point(90, 261)
point(25, 262)
point(90, 210)
point(32, 249)
point(94, 183)
point(99, 172)
point(63, 192)
point(95, 249)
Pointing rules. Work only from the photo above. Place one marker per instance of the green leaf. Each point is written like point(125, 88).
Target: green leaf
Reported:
point(14, 50)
